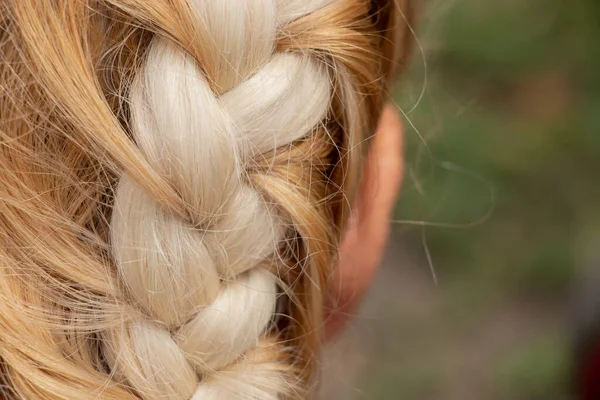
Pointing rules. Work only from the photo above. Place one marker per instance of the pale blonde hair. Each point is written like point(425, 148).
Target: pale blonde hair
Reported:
point(174, 180)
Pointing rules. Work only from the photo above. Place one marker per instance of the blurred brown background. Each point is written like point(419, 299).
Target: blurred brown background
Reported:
point(503, 104)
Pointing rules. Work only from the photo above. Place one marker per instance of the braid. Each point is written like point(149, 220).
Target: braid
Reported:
point(203, 282)
point(206, 153)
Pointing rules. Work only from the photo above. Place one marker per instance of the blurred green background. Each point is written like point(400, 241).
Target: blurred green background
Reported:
point(499, 201)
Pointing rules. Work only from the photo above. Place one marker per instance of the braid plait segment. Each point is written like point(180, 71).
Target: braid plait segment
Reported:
point(202, 297)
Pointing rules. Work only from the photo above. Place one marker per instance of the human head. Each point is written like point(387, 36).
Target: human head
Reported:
point(176, 176)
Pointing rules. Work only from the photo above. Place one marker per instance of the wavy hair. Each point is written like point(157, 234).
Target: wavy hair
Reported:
point(174, 180)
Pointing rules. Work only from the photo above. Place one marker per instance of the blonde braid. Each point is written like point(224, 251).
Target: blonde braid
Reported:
point(202, 282)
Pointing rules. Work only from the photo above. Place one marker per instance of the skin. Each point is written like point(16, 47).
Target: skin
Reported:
point(364, 242)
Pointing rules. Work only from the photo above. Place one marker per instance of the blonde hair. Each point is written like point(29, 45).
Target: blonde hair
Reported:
point(175, 177)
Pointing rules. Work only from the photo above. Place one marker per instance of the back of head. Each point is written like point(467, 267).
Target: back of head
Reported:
point(174, 177)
